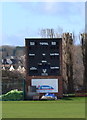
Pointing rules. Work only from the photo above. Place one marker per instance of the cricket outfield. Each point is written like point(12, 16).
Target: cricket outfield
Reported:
point(73, 107)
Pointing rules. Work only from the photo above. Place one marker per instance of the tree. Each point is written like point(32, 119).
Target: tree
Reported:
point(78, 68)
point(47, 33)
point(68, 61)
point(51, 33)
point(84, 53)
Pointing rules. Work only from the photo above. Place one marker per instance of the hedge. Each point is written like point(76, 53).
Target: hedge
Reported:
point(13, 95)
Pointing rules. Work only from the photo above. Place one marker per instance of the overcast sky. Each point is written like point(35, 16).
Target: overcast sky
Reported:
point(26, 19)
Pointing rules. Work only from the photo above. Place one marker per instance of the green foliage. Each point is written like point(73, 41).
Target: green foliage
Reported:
point(13, 95)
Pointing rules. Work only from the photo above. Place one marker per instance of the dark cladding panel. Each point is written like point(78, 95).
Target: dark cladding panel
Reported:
point(43, 56)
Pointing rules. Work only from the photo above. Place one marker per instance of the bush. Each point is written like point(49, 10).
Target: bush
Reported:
point(13, 95)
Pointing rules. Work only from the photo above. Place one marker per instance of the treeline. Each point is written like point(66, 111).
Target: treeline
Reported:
point(8, 51)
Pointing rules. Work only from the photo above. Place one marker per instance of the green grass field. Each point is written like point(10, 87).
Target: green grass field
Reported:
point(66, 108)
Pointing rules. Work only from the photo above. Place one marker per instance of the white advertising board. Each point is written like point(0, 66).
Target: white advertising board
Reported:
point(45, 85)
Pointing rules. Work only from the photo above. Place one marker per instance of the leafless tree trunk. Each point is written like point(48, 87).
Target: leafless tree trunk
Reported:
point(84, 53)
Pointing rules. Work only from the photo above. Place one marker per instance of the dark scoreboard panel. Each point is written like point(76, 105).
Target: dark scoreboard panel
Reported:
point(43, 56)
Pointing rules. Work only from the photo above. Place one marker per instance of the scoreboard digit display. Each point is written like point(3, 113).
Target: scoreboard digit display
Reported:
point(43, 56)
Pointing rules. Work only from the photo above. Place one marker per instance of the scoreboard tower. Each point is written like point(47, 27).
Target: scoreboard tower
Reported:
point(44, 65)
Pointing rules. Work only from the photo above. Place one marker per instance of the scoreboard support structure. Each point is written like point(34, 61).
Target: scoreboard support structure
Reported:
point(44, 66)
